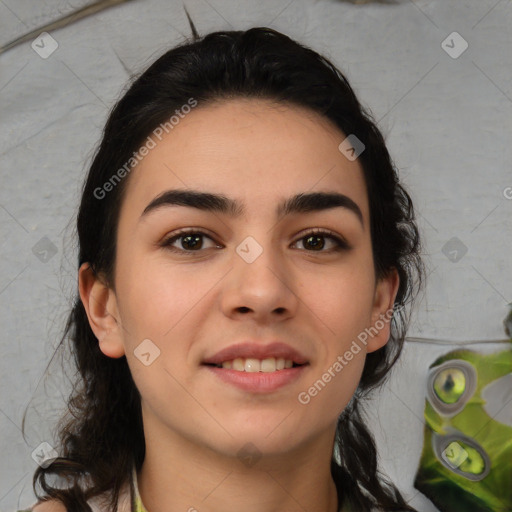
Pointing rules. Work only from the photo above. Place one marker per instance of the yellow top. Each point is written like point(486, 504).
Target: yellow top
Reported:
point(137, 501)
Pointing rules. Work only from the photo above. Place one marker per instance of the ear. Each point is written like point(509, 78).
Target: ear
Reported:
point(384, 300)
point(100, 303)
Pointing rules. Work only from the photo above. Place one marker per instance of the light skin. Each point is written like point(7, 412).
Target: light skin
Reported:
point(196, 302)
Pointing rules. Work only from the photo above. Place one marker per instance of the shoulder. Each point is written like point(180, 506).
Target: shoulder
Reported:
point(49, 506)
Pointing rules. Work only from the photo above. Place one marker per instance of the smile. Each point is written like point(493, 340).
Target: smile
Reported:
point(257, 376)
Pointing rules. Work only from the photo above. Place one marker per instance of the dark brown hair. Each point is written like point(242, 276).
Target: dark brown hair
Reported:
point(103, 437)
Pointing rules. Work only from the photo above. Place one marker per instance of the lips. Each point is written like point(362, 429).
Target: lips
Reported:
point(251, 350)
point(257, 368)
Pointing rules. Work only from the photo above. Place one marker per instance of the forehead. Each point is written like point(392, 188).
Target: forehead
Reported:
point(251, 149)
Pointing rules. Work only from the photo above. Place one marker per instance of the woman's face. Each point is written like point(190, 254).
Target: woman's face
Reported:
point(249, 286)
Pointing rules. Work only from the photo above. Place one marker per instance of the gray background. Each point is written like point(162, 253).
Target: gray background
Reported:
point(447, 121)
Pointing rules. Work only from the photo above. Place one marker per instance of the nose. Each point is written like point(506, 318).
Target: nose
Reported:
point(263, 289)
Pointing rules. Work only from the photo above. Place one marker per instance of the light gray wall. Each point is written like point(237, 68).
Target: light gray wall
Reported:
point(448, 124)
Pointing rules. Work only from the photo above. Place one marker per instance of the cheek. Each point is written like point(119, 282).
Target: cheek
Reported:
point(343, 302)
point(342, 309)
point(330, 390)
point(155, 298)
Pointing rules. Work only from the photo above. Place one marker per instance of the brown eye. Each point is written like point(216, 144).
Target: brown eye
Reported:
point(314, 241)
point(191, 241)
point(188, 241)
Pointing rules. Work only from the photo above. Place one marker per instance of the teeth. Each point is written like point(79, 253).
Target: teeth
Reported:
point(268, 365)
point(252, 365)
point(238, 364)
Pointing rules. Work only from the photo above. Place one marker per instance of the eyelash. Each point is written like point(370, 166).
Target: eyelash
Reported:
point(340, 243)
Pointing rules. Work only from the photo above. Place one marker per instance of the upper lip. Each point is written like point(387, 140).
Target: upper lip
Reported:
point(257, 351)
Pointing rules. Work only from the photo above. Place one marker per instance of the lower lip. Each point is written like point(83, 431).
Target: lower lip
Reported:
point(258, 382)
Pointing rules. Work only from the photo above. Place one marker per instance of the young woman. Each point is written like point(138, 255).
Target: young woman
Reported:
point(247, 262)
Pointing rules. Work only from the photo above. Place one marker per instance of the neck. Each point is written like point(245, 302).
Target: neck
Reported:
point(177, 474)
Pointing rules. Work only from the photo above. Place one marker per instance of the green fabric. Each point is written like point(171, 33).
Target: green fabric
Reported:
point(448, 489)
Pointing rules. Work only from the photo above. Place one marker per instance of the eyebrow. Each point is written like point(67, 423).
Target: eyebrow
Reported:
point(207, 201)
